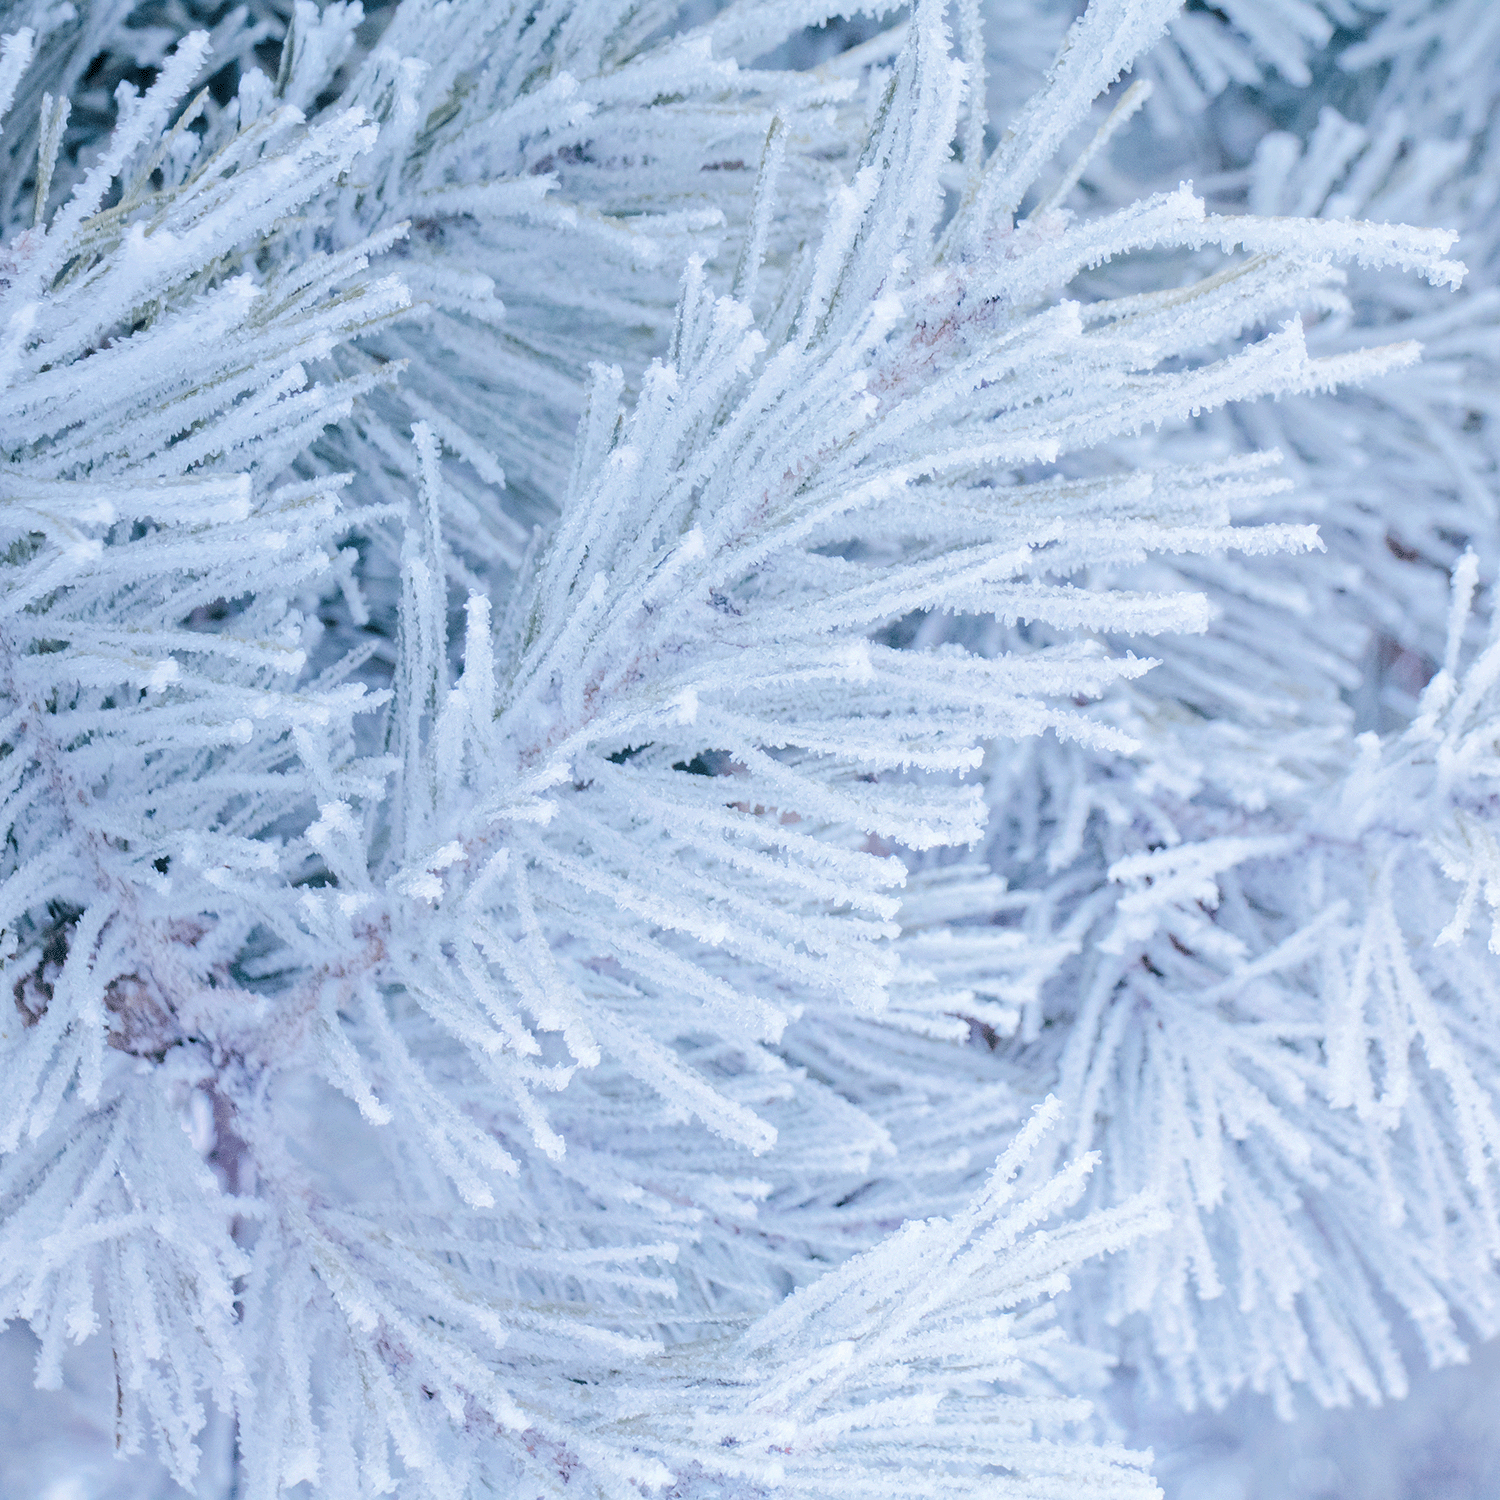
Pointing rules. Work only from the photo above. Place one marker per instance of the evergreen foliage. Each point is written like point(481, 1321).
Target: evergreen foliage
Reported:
point(700, 797)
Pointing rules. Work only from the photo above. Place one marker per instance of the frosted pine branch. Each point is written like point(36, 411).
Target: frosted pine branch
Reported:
point(455, 894)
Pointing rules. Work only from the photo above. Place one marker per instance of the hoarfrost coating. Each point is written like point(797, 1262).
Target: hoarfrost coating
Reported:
point(698, 795)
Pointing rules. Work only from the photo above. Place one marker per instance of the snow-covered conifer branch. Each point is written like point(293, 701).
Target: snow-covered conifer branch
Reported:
point(536, 1037)
point(155, 700)
point(916, 1368)
point(1219, 919)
